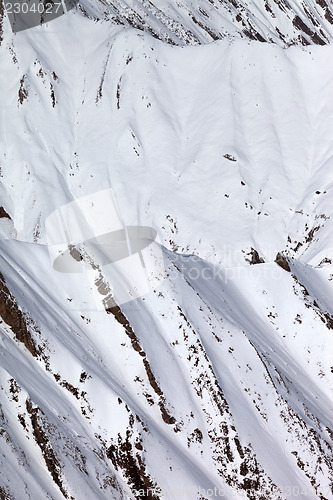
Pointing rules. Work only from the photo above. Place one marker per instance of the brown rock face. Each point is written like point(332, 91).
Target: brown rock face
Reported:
point(282, 262)
point(13, 317)
point(4, 214)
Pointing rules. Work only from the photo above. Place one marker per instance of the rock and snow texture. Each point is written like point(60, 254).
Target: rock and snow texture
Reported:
point(201, 21)
point(221, 376)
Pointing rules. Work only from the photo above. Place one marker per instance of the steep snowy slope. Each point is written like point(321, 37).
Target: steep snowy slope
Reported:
point(278, 21)
point(221, 375)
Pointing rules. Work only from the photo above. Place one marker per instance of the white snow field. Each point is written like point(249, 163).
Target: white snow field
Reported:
point(216, 380)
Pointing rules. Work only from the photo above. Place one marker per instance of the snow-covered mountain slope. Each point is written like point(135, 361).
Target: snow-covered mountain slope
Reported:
point(221, 376)
point(202, 21)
